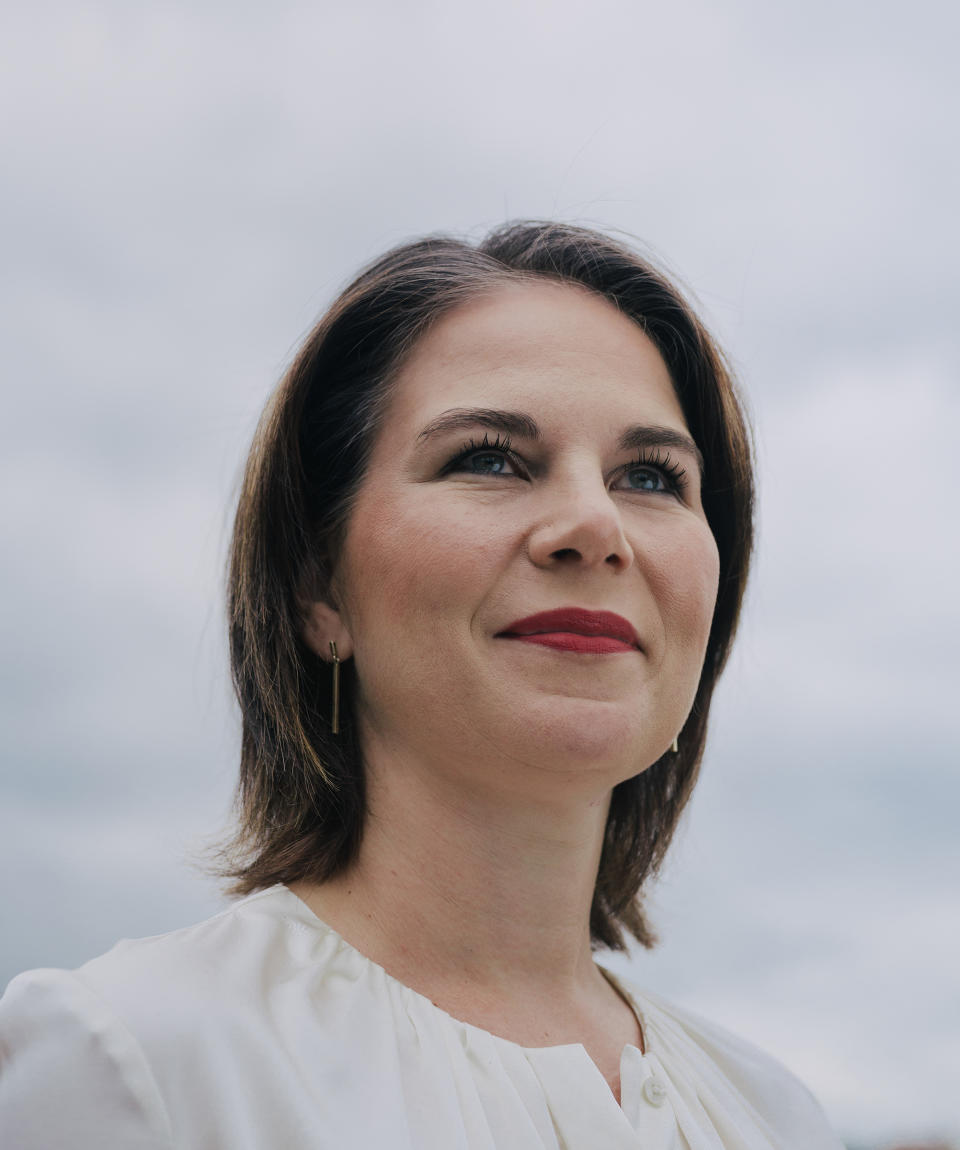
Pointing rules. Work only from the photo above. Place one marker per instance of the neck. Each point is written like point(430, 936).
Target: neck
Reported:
point(457, 889)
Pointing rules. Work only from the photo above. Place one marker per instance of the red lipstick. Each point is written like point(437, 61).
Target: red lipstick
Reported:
point(576, 629)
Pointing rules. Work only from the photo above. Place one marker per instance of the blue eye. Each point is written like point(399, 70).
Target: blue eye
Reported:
point(655, 472)
point(646, 479)
point(485, 463)
point(485, 458)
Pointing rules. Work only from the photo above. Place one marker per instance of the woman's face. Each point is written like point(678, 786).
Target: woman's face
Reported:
point(533, 457)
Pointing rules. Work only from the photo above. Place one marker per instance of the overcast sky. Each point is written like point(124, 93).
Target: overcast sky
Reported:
point(184, 188)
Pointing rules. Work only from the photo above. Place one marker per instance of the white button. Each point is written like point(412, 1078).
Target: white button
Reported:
point(654, 1092)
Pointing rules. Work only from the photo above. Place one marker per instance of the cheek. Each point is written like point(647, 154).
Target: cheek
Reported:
point(687, 580)
point(409, 564)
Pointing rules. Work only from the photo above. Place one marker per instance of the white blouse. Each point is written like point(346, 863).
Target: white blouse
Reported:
point(262, 1029)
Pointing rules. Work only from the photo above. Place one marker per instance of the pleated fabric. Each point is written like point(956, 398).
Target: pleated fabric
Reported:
point(263, 1029)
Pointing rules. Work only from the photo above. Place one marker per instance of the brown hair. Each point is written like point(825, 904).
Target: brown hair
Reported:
point(301, 798)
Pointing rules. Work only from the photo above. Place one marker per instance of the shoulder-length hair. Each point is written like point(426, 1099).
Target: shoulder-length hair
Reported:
point(301, 798)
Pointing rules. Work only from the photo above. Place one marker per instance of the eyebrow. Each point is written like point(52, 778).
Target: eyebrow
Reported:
point(523, 426)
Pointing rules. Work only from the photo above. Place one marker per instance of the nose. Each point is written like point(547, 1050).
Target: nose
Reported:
point(580, 524)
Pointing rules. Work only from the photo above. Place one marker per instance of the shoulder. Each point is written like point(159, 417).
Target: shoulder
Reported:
point(219, 971)
point(207, 961)
point(71, 1072)
point(732, 1072)
point(107, 1040)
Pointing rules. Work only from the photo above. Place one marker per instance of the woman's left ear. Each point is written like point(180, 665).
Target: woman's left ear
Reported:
point(322, 625)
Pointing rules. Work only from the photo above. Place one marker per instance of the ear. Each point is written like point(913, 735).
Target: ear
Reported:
point(322, 624)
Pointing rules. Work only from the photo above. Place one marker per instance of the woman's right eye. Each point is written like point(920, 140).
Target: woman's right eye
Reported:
point(485, 458)
point(485, 463)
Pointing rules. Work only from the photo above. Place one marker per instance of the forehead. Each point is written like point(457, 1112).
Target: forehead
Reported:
point(557, 349)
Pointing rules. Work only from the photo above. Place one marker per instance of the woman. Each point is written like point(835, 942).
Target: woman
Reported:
point(487, 565)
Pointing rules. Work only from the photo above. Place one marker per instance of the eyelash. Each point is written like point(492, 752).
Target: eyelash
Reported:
point(500, 445)
point(656, 459)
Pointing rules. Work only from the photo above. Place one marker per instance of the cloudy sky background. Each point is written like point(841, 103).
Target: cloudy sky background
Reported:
point(185, 187)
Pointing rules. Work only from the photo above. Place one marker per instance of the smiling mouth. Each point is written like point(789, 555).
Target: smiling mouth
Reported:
point(576, 629)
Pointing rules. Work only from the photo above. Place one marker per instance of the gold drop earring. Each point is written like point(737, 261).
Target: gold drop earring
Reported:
point(335, 709)
point(675, 746)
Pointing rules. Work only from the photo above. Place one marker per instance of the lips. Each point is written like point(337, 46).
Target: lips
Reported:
point(576, 628)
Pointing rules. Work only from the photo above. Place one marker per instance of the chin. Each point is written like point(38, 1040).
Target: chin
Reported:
point(586, 734)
